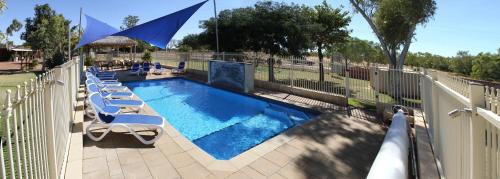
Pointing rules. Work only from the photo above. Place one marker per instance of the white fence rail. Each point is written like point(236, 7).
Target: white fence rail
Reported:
point(36, 123)
point(463, 125)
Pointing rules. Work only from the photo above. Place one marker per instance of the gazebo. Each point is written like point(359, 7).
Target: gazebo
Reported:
point(115, 43)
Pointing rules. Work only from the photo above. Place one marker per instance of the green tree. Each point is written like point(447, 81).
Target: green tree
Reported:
point(486, 67)
point(129, 22)
point(193, 41)
point(394, 22)
point(3, 6)
point(147, 56)
point(132, 21)
point(328, 27)
point(462, 63)
point(357, 50)
point(47, 32)
point(13, 27)
point(2, 37)
point(271, 27)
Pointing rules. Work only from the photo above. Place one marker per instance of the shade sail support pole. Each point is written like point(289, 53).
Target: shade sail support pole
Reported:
point(216, 28)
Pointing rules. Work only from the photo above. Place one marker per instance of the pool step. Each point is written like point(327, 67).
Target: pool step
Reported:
point(285, 113)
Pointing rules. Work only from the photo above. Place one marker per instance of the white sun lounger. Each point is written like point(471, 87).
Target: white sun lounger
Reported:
point(109, 117)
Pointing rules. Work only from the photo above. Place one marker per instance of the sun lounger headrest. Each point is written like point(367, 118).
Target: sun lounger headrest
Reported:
point(92, 88)
point(98, 103)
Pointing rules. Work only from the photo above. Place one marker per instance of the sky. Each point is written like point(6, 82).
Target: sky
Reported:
point(468, 25)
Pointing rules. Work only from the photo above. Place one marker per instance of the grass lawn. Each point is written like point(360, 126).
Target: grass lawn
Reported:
point(10, 81)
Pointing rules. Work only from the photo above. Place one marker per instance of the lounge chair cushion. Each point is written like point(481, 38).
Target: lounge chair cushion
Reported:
point(125, 102)
point(138, 119)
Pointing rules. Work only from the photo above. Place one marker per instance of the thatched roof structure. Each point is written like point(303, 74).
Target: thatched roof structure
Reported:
point(114, 41)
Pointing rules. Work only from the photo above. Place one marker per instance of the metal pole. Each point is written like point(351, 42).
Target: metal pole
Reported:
point(80, 50)
point(69, 42)
point(216, 27)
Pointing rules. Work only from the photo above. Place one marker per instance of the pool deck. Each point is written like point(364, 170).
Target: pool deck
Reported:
point(332, 146)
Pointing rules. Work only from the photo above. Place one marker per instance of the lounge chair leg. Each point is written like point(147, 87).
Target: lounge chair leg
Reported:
point(94, 138)
point(147, 142)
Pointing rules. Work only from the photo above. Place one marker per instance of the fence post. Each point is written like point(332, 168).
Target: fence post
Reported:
point(7, 113)
point(376, 76)
point(477, 127)
point(347, 92)
point(290, 75)
point(49, 123)
point(435, 108)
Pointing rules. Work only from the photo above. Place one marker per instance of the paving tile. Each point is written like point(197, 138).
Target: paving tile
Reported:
point(278, 158)
point(200, 156)
point(244, 159)
point(111, 154)
point(93, 152)
point(264, 148)
point(147, 150)
point(114, 168)
point(221, 174)
point(170, 148)
point(154, 158)
point(289, 150)
point(164, 139)
point(171, 131)
point(183, 142)
point(120, 176)
point(74, 169)
point(222, 165)
point(136, 170)
point(94, 164)
point(265, 167)
point(181, 160)
point(76, 148)
point(131, 157)
point(211, 176)
point(97, 174)
point(298, 144)
point(159, 166)
point(252, 173)
point(238, 175)
point(291, 171)
point(276, 176)
point(163, 171)
point(193, 171)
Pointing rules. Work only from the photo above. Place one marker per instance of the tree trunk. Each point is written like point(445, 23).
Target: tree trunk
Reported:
point(395, 74)
point(321, 68)
point(270, 62)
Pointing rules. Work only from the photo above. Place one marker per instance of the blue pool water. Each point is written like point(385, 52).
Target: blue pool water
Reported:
point(222, 123)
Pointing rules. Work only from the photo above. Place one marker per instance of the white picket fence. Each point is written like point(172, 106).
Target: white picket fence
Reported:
point(463, 123)
point(36, 122)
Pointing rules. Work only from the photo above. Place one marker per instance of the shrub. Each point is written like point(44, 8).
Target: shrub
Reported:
point(56, 60)
point(486, 67)
point(89, 61)
point(147, 56)
point(185, 48)
point(33, 64)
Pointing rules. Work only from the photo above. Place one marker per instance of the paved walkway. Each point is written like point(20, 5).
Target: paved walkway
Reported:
point(331, 146)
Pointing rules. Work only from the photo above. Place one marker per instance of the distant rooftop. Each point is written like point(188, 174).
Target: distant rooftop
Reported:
point(114, 41)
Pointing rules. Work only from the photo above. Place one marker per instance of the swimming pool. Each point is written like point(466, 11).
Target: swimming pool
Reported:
point(222, 123)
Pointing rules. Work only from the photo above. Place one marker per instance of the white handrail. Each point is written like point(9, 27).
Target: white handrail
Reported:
point(392, 159)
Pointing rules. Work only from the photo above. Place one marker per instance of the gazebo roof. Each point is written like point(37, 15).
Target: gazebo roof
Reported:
point(112, 41)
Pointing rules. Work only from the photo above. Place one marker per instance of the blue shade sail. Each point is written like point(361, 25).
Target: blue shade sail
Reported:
point(160, 31)
point(95, 30)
